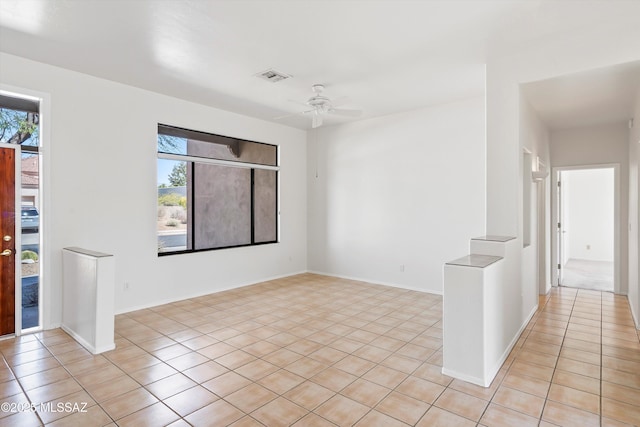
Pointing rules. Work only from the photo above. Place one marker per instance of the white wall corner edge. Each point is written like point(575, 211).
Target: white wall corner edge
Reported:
point(498, 365)
point(500, 362)
point(636, 321)
point(85, 344)
point(52, 326)
point(465, 377)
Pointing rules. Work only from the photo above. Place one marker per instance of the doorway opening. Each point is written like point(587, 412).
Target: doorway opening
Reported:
point(586, 228)
point(22, 231)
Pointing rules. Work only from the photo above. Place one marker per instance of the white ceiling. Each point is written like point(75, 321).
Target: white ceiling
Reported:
point(592, 97)
point(386, 56)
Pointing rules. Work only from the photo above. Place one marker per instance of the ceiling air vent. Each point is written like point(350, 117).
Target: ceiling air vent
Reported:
point(273, 76)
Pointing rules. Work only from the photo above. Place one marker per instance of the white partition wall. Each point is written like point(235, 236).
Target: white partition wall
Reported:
point(88, 298)
point(481, 309)
point(469, 301)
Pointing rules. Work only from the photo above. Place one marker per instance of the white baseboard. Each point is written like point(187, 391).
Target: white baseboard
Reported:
point(200, 294)
point(512, 344)
point(266, 279)
point(464, 377)
point(494, 371)
point(636, 321)
point(85, 344)
point(53, 326)
point(376, 282)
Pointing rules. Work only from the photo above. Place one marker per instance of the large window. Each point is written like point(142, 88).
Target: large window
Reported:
point(214, 191)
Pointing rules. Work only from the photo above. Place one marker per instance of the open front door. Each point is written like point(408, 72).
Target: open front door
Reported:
point(9, 236)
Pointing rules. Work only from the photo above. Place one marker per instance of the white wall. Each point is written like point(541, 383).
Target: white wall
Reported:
point(581, 49)
point(534, 138)
point(590, 223)
point(401, 190)
point(634, 212)
point(590, 145)
point(598, 145)
point(101, 189)
point(578, 49)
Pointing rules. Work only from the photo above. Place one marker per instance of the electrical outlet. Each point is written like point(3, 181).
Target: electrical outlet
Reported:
point(588, 247)
point(401, 268)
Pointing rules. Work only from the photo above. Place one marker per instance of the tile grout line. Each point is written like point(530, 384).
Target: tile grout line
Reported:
point(21, 386)
point(309, 379)
point(601, 362)
point(76, 380)
point(546, 399)
point(579, 308)
point(371, 409)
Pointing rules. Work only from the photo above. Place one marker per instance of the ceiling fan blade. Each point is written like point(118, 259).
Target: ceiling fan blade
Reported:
point(347, 113)
point(303, 104)
point(293, 114)
point(285, 116)
point(340, 101)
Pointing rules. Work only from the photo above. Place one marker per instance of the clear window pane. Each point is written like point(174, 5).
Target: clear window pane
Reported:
point(171, 144)
point(173, 216)
point(30, 250)
point(19, 127)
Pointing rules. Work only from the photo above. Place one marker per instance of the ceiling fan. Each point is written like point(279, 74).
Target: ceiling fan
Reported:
point(319, 106)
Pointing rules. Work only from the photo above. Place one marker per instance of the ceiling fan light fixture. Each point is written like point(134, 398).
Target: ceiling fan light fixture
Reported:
point(321, 105)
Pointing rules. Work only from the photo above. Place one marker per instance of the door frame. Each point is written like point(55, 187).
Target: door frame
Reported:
point(17, 240)
point(48, 307)
point(560, 231)
point(616, 220)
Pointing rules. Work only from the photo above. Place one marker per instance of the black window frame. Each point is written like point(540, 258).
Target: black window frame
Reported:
point(191, 161)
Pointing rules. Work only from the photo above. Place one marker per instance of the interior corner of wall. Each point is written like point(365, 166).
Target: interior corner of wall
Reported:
point(636, 320)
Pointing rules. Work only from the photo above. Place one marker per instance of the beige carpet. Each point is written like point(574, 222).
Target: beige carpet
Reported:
point(584, 274)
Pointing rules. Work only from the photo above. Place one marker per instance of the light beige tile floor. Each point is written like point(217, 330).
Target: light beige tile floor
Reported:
point(311, 350)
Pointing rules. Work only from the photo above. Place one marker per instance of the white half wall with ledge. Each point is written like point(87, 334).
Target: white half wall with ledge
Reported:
point(481, 309)
point(88, 298)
